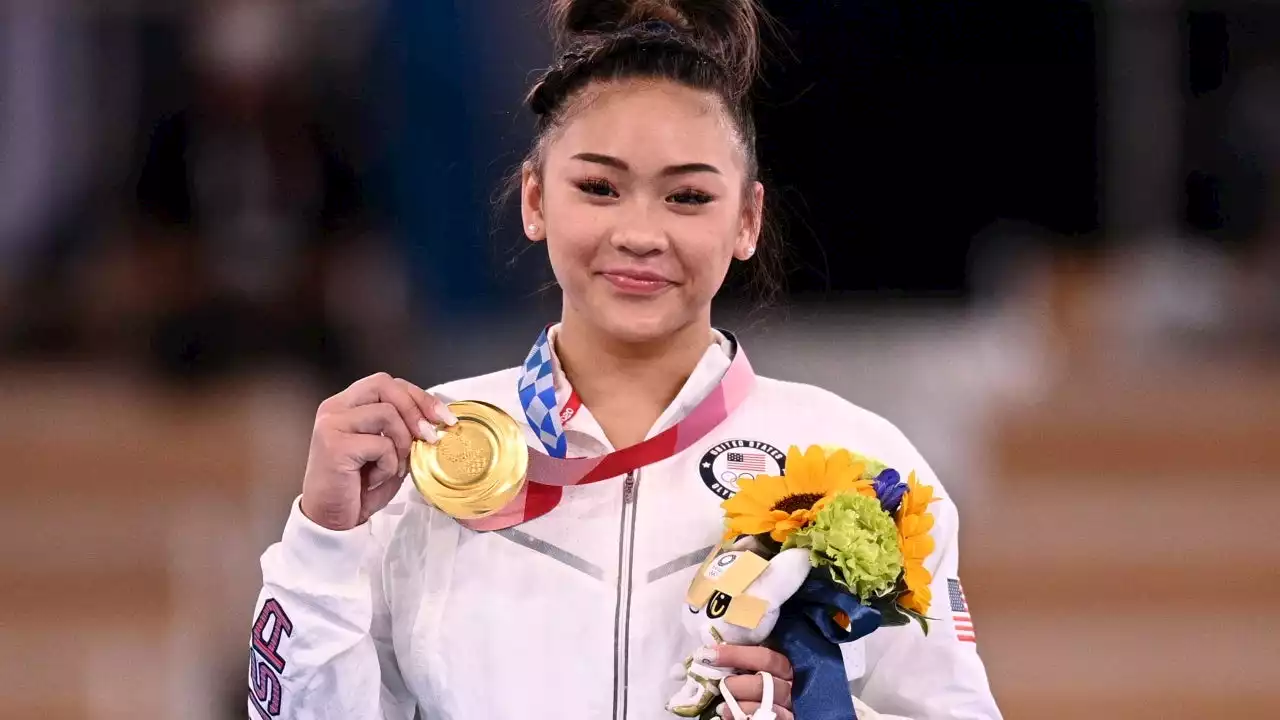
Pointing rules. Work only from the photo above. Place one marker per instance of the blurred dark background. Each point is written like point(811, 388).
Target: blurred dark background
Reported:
point(1043, 238)
point(237, 137)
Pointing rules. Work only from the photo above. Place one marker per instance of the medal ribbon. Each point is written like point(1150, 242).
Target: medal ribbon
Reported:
point(571, 407)
point(549, 474)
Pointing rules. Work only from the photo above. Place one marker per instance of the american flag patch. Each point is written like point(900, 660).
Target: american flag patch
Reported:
point(746, 462)
point(960, 612)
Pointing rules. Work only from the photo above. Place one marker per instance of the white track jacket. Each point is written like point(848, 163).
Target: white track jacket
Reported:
point(575, 615)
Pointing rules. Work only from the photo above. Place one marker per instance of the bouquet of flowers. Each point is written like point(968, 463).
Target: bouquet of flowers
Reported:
point(865, 531)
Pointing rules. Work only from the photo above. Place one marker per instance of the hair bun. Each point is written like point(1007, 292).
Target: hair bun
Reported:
point(570, 18)
point(727, 30)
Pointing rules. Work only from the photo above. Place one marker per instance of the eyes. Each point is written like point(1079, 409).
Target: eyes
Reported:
point(691, 197)
point(603, 189)
point(598, 187)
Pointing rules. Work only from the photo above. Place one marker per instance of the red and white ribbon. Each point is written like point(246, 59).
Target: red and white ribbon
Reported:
point(548, 476)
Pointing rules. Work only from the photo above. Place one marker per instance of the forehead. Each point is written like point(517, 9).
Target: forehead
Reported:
point(650, 124)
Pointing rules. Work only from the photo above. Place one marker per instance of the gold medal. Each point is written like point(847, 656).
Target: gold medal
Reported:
point(477, 467)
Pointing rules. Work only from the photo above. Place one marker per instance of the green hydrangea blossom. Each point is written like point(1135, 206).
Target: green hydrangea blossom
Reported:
point(859, 542)
point(873, 467)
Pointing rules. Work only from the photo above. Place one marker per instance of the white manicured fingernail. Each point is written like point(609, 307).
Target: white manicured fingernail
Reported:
point(447, 415)
point(706, 655)
point(722, 710)
point(427, 432)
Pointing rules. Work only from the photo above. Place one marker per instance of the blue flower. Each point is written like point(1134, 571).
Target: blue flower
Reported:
point(890, 489)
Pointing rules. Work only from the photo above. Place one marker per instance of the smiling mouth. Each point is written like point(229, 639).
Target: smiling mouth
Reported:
point(637, 283)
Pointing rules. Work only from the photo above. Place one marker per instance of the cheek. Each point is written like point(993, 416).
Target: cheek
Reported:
point(708, 254)
point(574, 232)
point(570, 253)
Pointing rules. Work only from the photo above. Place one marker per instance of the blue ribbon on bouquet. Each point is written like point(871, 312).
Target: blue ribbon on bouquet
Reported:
point(809, 636)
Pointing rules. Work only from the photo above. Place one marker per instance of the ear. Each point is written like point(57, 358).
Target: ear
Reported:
point(535, 227)
point(752, 222)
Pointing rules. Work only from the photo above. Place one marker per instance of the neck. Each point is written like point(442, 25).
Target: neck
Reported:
point(628, 385)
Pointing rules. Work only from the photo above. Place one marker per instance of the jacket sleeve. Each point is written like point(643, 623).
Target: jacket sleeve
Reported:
point(321, 644)
point(938, 676)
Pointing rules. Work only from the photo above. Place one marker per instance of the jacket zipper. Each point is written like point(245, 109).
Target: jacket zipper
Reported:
point(622, 616)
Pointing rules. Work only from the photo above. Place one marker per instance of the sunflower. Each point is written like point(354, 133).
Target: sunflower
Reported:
point(914, 524)
point(780, 505)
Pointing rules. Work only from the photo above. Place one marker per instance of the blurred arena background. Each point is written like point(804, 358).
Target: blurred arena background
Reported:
point(1043, 238)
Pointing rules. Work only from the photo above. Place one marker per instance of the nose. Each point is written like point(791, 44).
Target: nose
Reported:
point(640, 232)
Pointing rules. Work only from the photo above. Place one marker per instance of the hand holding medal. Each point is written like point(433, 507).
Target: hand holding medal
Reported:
point(360, 448)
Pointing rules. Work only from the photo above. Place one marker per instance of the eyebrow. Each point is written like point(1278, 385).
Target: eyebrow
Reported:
point(670, 170)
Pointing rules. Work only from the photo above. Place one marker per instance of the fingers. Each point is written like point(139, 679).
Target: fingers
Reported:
point(754, 659)
point(418, 410)
point(377, 419)
point(431, 406)
point(376, 449)
point(371, 449)
point(751, 688)
point(751, 708)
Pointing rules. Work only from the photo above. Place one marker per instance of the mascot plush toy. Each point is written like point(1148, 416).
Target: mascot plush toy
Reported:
point(735, 599)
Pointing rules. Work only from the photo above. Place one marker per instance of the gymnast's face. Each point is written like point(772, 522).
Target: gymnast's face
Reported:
point(643, 201)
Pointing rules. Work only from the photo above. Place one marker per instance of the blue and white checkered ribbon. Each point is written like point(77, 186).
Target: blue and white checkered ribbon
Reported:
point(538, 396)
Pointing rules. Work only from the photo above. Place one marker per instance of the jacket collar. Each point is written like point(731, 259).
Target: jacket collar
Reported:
point(705, 377)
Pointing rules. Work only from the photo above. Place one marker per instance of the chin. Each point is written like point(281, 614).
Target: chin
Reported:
point(638, 325)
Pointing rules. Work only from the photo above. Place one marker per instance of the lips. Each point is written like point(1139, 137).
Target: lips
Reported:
point(637, 282)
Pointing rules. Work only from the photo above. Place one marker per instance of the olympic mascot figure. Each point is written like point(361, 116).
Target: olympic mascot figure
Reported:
point(735, 599)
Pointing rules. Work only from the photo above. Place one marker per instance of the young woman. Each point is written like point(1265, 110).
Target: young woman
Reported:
point(642, 184)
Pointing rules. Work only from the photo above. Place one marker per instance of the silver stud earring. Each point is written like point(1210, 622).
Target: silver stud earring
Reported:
point(751, 251)
point(532, 228)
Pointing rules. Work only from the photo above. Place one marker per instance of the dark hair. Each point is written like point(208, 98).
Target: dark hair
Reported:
point(711, 45)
